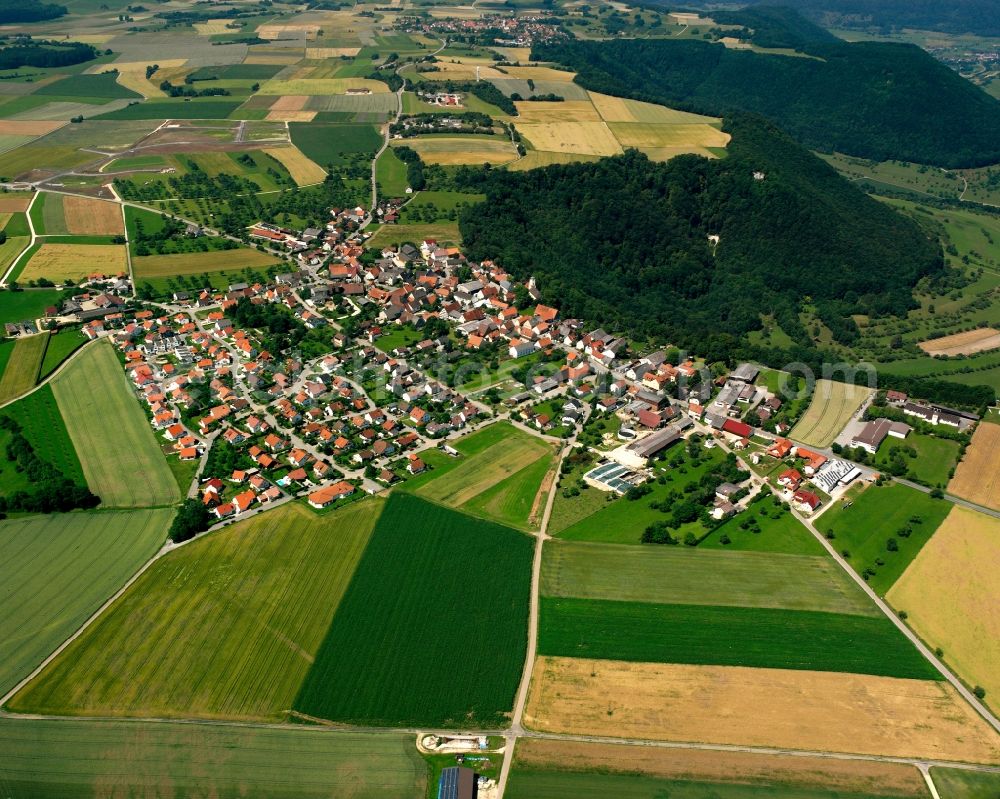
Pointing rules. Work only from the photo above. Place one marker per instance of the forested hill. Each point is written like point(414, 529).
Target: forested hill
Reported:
point(951, 16)
point(626, 242)
point(874, 100)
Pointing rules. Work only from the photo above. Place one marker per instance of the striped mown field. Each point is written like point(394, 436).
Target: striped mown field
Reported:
point(60, 568)
point(21, 372)
point(226, 627)
point(121, 458)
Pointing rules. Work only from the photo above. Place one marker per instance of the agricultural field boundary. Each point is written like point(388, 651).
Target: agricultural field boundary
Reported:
point(15, 265)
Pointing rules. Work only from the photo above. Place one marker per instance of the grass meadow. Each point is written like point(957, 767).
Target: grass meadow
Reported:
point(21, 371)
point(61, 567)
point(699, 577)
point(727, 636)
point(46, 759)
point(432, 629)
point(225, 627)
point(955, 783)
point(121, 458)
point(876, 514)
point(935, 457)
point(61, 345)
point(28, 304)
point(42, 424)
point(333, 143)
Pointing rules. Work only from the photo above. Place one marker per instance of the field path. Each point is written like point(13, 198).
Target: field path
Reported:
point(31, 243)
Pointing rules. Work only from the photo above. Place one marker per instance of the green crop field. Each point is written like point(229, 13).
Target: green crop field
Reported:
point(60, 568)
point(955, 783)
point(43, 426)
point(391, 235)
point(90, 759)
point(21, 372)
point(684, 575)
point(121, 458)
point(391, 174)
point(531, 783)
point(331, 143)
point(935, 457)
point(101, 87)
point(175, 109)
point(225, 627)
point(727, 636)
point(61, 346)
point(432, 629)
point(500, 481)
point(29, 304)
point(875, 515)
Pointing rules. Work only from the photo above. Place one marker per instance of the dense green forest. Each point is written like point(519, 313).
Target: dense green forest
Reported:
point(45, 54)
point(28, 11)
point(951, 16)
point(870, 99)
point(626, 241)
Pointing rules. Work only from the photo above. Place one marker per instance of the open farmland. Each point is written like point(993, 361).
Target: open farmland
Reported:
point(87, 216)
point(432, 628)
point(951, 592)
point(54, 759)
point(17, 305)
point(508, 473)
point(811, 710)
point(584, 138)
point(61, 567)
point(541, 765)
point(833, 404)
point(21, 372)
point(699, 577)
point(954, 783)
point(121, 458)
point(43, 426)
point(62, 262)
point(302, 169)
point(195, 263)
point(727, 636)
point(334, 143)
point(457, 150)
point(867, 517)
point(322, 86)
point(253, 601)
point(966, 343)
point(977, 476)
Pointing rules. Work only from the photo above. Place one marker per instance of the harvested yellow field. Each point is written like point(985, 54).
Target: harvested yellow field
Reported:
point(854, 776)
point(951, 592)
point(318, 86)
point(288, 31)
point(302, 169)
point(620, 109)
point(290, 102)
point(62, 262)
point(27, 127)
point(530, 113)
point(652, 134)
point(454, 150)
point(514, 53)
point(90, 217)
point(290, 116)
point(537, 158)
point(821, 711)
point(588, 138)
point(666, 153)
point(137, 82)
point(832, 406)
point(11, 203)
point(331, 52)
point(213, 27)
point(464, 70)
point(540, 73)
point(194, 263)
point(967, 343)
point(977, 476)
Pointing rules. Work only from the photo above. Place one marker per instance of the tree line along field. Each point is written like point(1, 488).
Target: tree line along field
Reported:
point(950, 593)
point(863, 521)
point(118, 451)
point(557, 769)
point(225, 627)
point(45, 759)
point(773, 708)
point(61, 568)
point(727, 636)
point(683, 575)
point(42, 424)
point(432, 629)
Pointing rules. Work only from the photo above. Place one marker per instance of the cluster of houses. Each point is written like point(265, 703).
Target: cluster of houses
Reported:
point(497, 29)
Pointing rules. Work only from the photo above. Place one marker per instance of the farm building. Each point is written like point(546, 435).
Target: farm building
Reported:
point(458, 783)
point(612, 476)
point(637, 454)
point(875, 432)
